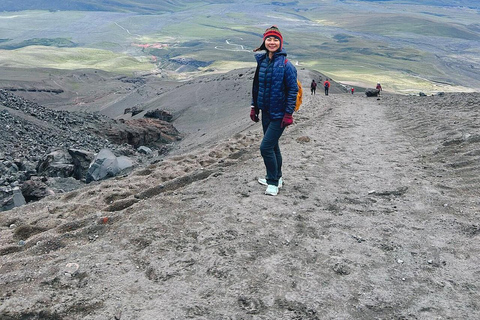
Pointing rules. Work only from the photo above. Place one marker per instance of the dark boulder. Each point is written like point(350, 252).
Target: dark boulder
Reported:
point(159, 114)
point(107, 165)
point(143, 132)
point(81, 160)
point(372, 92)
point(11, 198)
point(35, 189)
point(57, 163)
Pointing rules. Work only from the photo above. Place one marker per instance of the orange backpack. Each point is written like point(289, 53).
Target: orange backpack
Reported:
point(299, 95)
point(298, 103)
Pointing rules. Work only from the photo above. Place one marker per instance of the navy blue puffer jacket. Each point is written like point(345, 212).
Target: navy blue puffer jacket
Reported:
point(275, 92)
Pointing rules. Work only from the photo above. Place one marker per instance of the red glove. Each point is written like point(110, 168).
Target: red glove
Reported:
point(287, 120)
point(254, 114)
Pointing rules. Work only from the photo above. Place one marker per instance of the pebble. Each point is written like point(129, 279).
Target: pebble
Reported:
point(71, 269)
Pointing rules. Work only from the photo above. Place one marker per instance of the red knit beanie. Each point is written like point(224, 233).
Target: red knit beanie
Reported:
point(271, 32)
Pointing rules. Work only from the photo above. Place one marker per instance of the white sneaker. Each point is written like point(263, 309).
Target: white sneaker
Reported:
point(264, 182)
point(271, 190)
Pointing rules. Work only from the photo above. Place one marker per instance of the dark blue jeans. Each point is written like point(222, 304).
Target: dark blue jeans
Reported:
point(270, 150)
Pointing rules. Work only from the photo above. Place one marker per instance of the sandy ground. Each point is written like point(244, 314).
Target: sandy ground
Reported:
point(377, 219)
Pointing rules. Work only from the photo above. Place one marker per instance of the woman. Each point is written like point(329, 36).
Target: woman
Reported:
point(274, 93)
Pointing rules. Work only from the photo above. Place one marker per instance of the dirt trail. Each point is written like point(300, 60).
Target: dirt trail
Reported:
point(362, 229)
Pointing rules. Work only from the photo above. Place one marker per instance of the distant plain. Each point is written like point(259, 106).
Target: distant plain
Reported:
point(407, 46)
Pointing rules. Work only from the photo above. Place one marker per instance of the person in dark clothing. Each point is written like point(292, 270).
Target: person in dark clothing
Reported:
point(313, 87)
point(274, 92)
point(326, 85)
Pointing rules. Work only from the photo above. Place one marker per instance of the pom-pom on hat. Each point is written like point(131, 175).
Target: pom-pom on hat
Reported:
point(271, 32)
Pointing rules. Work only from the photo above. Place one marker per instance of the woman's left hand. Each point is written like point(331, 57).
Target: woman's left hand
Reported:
point(287, 120)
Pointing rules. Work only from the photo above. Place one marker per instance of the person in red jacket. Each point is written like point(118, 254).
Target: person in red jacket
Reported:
point(326, 85)
point(353, 90)
point(379, 88)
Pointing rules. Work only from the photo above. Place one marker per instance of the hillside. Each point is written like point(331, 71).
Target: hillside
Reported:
point(198, 105)
point(377, 219)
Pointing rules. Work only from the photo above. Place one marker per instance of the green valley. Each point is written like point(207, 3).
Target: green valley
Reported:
point(407, 46)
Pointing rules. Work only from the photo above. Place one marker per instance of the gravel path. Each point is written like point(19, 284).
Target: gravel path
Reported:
point(376, 220)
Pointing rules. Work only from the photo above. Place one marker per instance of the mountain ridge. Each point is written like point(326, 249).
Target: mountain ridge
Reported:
point(150, 6)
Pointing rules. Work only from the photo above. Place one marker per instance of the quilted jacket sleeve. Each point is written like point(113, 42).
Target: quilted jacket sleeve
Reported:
point(291, 87)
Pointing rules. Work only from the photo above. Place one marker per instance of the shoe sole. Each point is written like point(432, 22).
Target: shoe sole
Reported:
point(271, 193)
point(264, 183)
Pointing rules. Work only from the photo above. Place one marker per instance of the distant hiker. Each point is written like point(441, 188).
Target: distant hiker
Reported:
point(352, 90)
point(313, 87)
point(379, 88)
point(274, 91)
point(326, 85)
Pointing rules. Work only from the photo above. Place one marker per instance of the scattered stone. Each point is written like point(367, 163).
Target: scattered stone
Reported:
point(341, 269)
point(303, 139)
point(18, 198)
point(144, 150)
point(71, 269)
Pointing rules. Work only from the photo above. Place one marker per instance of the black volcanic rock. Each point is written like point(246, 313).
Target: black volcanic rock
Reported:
point(159, 114)
point(372, 92)
point(37, 141)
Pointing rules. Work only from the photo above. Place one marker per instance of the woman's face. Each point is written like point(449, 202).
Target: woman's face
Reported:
point(272, 44)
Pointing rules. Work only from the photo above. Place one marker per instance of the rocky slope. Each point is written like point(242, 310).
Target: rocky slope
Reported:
point(33, 136)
